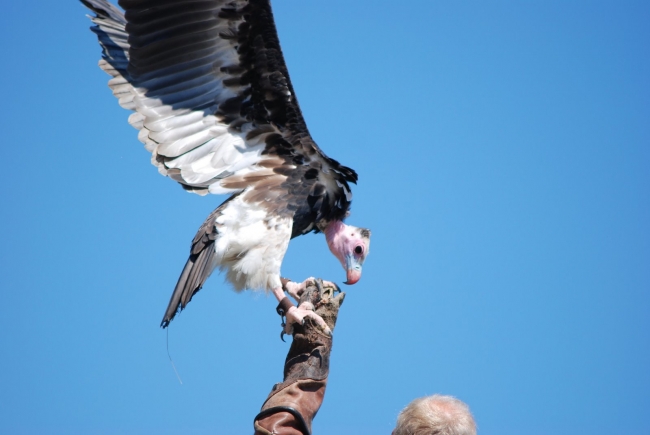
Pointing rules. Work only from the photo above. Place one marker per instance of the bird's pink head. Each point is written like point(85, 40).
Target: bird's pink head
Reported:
point(350, 245)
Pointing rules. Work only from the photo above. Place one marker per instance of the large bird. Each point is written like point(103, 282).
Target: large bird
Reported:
point(213, 103)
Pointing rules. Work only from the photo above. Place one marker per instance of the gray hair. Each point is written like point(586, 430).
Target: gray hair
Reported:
point(435, 415)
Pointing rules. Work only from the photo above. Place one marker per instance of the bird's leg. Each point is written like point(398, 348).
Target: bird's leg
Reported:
point(295, 290)
point(298, 314)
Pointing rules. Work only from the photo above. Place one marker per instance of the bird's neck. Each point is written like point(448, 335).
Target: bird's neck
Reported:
point(333, 234)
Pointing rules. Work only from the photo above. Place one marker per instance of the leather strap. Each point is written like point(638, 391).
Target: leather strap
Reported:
point(284, 305)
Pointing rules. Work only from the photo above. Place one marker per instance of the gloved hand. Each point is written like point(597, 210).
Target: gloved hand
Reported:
point(293, 403)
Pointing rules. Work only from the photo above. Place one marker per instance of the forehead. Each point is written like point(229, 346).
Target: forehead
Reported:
point(358, 234)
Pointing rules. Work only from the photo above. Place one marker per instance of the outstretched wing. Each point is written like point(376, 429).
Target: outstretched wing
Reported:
point(213, 102)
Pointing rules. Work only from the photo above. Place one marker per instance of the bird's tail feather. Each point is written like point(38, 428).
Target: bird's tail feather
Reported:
point(199, 266)
point(196, 271)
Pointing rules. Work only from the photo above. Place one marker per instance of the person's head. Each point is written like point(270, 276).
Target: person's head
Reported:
point(435, 415)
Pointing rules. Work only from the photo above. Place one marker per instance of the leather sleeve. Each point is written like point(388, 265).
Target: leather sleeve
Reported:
point(292, 404)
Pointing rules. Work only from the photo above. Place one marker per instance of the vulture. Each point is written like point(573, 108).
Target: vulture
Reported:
point(213, 103)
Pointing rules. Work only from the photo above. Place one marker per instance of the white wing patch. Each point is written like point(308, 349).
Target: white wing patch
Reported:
point(175, 109)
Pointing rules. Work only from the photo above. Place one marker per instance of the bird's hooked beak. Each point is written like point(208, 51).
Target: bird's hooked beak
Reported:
point(353, 269)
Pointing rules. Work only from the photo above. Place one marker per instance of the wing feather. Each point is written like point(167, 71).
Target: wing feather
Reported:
point(213, 101)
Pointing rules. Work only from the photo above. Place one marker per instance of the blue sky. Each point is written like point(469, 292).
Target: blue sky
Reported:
point(503, 150)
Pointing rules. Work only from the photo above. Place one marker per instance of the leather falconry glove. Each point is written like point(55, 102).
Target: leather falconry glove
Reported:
point(292, 404)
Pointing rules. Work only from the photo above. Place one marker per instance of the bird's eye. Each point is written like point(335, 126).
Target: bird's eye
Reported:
point(358, 250)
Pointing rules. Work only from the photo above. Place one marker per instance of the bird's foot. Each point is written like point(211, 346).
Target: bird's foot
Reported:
point(295, 290)
point(302, 313)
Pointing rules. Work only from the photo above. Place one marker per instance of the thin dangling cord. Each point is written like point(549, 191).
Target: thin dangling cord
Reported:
point(170, 359)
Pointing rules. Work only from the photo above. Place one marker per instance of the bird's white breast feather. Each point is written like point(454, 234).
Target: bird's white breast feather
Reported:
point(251, 245)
